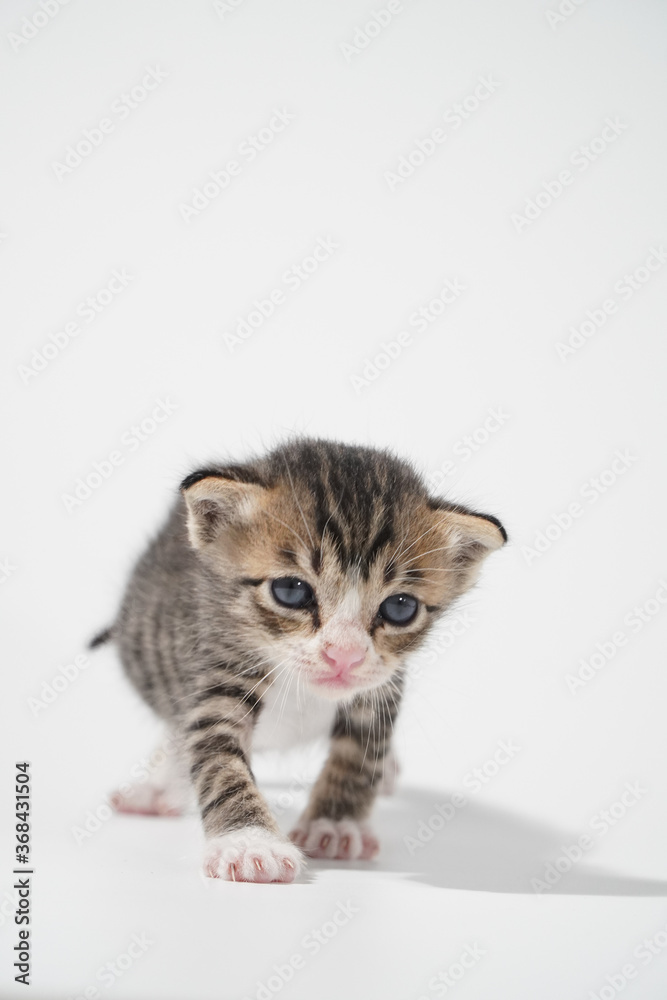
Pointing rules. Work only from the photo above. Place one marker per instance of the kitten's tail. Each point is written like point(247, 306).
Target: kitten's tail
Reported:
point(105, 636)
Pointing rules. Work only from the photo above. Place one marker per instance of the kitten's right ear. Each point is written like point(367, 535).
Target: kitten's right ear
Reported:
point(215, 502)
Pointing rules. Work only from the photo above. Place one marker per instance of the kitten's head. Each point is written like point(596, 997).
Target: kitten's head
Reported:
point(338, 559)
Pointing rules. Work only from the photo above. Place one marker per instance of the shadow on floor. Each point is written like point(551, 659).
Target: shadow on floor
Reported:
point(484, 848)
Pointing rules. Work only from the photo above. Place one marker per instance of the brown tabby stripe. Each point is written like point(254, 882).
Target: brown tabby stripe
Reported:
point(236, 692)
point(227, 794)
point(361, 737)
point(164, 654)
point(217, 733)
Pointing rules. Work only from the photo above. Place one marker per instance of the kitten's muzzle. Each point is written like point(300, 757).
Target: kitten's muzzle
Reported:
point(342, 661)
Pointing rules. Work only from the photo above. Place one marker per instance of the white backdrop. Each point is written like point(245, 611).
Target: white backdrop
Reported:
point(438, 226)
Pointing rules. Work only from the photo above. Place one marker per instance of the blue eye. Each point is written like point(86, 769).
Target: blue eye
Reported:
point(292, 592)
point(399, 609)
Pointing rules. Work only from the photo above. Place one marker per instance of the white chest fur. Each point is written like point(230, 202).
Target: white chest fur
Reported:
point(290, 718)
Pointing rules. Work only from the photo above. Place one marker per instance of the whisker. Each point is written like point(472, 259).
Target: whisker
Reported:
point(295, 533)
point(441, 548)
point(394, 554)
point(282, 672)
point(412, 544)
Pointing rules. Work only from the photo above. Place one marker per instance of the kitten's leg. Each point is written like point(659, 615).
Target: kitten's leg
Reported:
point(334, 824)
point(243, 841)
point(162, 788)
point(390, 772)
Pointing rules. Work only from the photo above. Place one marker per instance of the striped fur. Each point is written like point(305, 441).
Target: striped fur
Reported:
point(203, 640)
point(360, 742)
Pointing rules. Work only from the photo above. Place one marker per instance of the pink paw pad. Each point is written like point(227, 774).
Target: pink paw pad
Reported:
point(343, 840)
point(252, 855)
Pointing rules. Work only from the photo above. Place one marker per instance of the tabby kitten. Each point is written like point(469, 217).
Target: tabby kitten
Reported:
point(303, 578)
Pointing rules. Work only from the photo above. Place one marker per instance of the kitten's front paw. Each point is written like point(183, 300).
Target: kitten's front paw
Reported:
point(343, 839)
point(252, 854)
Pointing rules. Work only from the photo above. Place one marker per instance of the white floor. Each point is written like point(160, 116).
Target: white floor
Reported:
point(385, 929)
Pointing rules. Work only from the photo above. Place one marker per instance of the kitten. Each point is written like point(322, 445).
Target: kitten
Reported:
point(314, 570)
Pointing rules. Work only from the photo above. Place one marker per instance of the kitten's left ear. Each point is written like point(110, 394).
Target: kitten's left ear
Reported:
point(472, 536)
point(216, 501)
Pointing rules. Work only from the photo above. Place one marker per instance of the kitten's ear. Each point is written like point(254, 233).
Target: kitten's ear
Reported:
point(472, 536)
point(215, 501)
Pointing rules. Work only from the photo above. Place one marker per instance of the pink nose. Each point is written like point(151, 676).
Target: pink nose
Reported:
point(342, 661)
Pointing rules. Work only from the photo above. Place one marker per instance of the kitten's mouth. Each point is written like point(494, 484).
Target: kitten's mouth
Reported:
point(338, 685)
point(338, 682)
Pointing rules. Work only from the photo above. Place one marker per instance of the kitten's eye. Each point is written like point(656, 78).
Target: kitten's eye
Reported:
point(292, 592)
point(399, 609)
